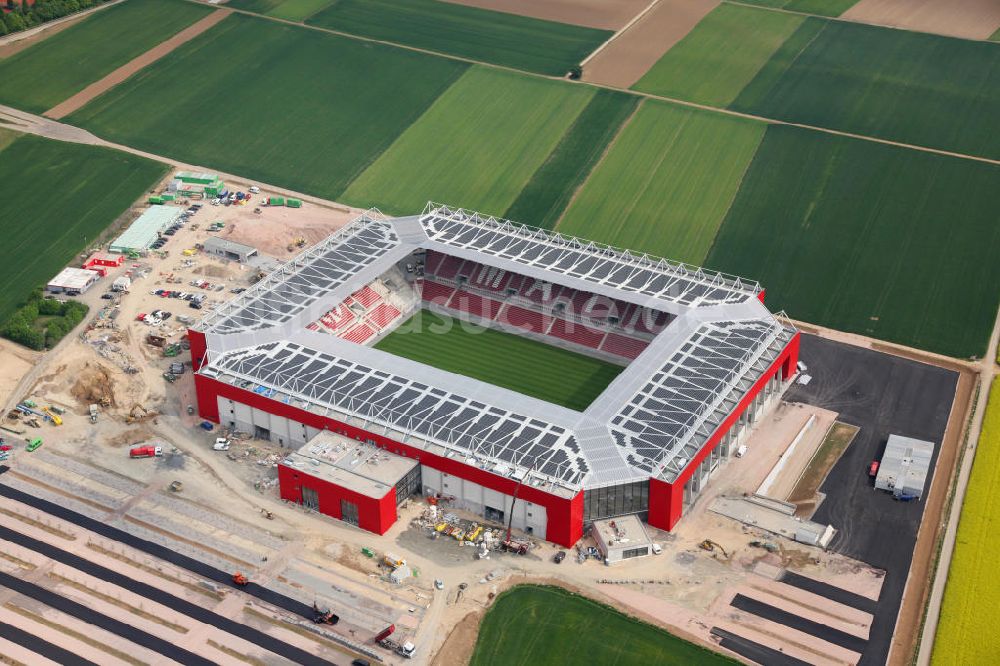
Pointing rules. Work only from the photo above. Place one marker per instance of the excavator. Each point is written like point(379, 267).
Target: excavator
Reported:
point(240, 579)
point(324, 615)
point(711, 546)
point(136, 413)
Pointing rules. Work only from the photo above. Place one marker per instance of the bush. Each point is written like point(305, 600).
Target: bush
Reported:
point(14, 22)
point(21, 327)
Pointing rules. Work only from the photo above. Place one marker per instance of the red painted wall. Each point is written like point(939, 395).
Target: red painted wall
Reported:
point(564, 517)
point(198, 349)
point(666, 500)
point(374, 515)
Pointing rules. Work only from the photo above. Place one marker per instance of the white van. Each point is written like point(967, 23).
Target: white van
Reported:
point(741, 451)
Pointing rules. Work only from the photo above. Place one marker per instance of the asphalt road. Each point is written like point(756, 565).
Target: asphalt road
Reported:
point(838, 594)
point(817, 629)
point(90, 616)
point(157, 550)
point(41, 647)
point(152, 593)
point(882, 394)
point(755, 651)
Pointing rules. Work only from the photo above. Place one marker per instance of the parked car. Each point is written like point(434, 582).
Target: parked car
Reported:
point(560, 556)
point(107, 296)
point(221, 444)
point(141, 316)
point(165, 316)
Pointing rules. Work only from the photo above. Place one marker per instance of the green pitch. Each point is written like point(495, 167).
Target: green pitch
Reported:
point(55, 200)
point(520, 42)
point(476, 147)
point(503, 359)
point(290, 106)
point(667, 182)
point(58, 67)
point(530, 625)
point(868, 238)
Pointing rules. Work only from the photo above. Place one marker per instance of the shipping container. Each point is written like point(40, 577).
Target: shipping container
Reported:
point(294, 203)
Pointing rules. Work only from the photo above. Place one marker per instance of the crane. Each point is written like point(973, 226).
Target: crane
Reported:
point(519, 548)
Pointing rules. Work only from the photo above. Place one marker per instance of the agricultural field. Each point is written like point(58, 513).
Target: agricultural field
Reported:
point(966, 632)
point(911, 87)
point(818, 7)
point(534, 624)
point(301, 109)
point(666, 184)
point(917, 88)
point(717, 59)
point(549, 191)
point(519, 42)
point(476, 147)
point(289, 10)
point(503, 359)
point(55, 199)
point(869, 238)
point(56, 68)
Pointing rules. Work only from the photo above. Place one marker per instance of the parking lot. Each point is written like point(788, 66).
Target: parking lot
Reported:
point(882, 394)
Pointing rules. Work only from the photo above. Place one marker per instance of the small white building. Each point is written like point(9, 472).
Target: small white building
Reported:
point(228, 249)
point(621, 538)
point(123, 283)
point(72, 281)
point(904, 467)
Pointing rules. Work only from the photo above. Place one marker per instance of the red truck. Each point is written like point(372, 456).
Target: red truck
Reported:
point(145, 452)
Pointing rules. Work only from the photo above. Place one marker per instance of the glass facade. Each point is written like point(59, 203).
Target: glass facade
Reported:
point(635, 552)
point(408, 485)
point(621, 500)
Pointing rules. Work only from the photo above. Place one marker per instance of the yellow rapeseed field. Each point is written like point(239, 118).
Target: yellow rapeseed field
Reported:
point(967, 632)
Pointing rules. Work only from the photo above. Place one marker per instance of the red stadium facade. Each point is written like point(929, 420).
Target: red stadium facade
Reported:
point(555, 502)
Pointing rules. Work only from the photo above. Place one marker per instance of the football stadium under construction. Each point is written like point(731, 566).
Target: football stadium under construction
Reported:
point(294, 360)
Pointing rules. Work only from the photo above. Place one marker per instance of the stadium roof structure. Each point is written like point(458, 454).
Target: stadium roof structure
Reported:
point(650, 421)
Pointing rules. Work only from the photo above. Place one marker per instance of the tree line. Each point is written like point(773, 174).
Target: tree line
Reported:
point(22, 16)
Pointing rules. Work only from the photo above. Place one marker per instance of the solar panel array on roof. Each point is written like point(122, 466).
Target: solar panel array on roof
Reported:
point(461, 424)
point(659, 426)
point(306, 278)
point(586, 260)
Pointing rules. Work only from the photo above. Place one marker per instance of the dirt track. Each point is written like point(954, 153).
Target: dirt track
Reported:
point(604, 14)
point(631, 53)
point(128, 69)
point(972, 19)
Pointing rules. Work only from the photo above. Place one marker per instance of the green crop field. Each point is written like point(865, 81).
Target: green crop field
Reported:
point(291, 106)
point(521, 42)
point(290, 10)
point(476, 147)
point(547, 194)
point(869, 238)
point(966, 632)
point(55, 199)
point(535, 624)
point(819, 7)
point(58, 67)
point(666, 184)
point(503, 359)
point(723, 53)
point(903, 86)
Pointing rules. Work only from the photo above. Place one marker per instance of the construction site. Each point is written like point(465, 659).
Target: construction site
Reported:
point(137, 529)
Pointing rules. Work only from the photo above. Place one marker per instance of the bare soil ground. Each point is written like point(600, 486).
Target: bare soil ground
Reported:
point(972, 19)
point(15, 362)
point(128, 69)
point(630, 54)
point(603, 14)
point(826, 456)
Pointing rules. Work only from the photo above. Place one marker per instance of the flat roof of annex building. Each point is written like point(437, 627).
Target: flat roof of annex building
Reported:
point(363, 468)
point(649, 422)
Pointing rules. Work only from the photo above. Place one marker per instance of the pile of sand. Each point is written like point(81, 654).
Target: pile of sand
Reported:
point(94, 385)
